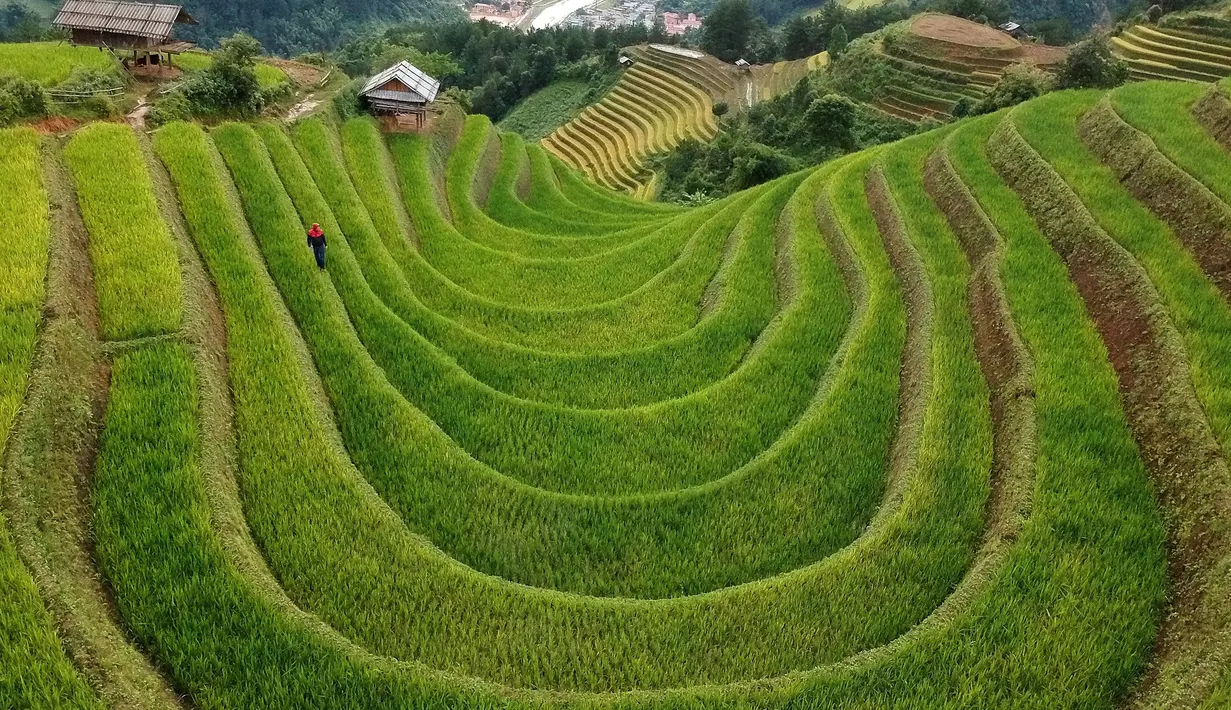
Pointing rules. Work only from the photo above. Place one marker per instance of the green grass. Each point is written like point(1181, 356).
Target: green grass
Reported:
point(136, 274)
point(560, 447)
point(1163, 110)
point(1201, 318)
point(950, 668)
point(505, 206)
point(1091, 546)
point(34, 671)
point(1198, 310)
point(50, 63)
point(595, 518)
point(267, 75)
point(626, 660)
point(578, 451)
point(664, 370)
point(546, 196)
point(541, 112)
point(663, 307)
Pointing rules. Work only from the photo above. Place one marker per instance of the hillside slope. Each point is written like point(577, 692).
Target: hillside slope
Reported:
point(921, 69)
point(665, 98)
point(896, 431)
point(291, 27)
point(1194, 46)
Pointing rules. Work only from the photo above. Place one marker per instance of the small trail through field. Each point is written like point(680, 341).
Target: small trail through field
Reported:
point(136, 117)
point(303, 108)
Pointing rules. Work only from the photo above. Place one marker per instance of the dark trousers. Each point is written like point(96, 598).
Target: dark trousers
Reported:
point(318, 250)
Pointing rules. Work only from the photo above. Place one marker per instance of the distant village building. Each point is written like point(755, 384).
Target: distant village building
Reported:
point(503, 13)
point(742, 63)
point(625, 61)
point(1014, 30)
point(678, 23)
point(402, 93)
point(624, 13)
point(144, 29)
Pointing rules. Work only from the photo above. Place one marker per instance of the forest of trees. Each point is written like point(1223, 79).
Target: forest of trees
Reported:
point(1053, 16)
point(290, 27)
point(490, 67)
point(19, 23)
point(805, 126)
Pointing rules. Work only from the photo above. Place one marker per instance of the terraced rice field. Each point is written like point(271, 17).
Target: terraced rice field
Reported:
point(940, 424)
point(50, 63)
point(1181, 51)
point(666, 97)
point(942, 60)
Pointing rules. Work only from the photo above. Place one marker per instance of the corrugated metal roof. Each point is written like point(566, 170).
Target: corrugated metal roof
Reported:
point(408, 74)
point(129, 18)
point(395, 95)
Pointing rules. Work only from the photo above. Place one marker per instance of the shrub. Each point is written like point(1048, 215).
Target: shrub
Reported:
point(84, 80)
point(228, 87)
point(21, 98)
point(862, 69)
point(721, 108)
point(276, 93)
point(173, 107)
point(91, 80)
point(346, 102)
point(1020, 82)
point(756, 163)
point(1091, 65)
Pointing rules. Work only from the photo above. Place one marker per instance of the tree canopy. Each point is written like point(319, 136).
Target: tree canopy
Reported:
point(727, 30)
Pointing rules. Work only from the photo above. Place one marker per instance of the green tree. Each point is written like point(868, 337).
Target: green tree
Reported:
point(838, 41)
point(830, 120)
point(727, 28)
point(1056, 32)
point(435, 64)
point(1091, 65)
point(19, 23)
point(988, 11)
point(798, 38)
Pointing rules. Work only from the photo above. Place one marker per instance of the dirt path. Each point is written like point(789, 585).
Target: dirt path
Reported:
point(305, 75)
point(916, 380)
point(1003, 357)
point(305, 106)
point(136, 117)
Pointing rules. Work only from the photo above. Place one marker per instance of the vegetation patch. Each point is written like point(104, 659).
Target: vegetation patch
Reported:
point(136, 272)
point(543, 111)
point(870, 416)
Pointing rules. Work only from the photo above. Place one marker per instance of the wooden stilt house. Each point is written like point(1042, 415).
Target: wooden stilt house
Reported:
point(403, 93)
point(143, 30)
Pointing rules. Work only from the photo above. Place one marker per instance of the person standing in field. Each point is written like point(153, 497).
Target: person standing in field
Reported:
point(316, 240)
